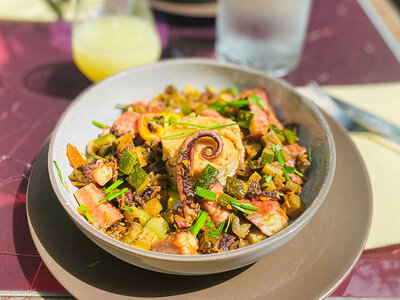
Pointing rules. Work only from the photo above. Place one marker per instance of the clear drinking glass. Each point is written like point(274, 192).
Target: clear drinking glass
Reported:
point(263, 34)
point(113, 35)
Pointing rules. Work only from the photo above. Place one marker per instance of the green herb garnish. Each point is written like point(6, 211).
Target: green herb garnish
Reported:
point(178, 123)
point(279, 156)
point(210, 224)
point(245, 207)
point(89, 217)
point(82, 208)
point(292, 170)
point(98, 124)
point(309, 154)
point(113, 195)
point(93, 264)
point(113, 186)
point(204, 193)
point(186, 111)
point(60, 175)
point(221, 226)
point(200, 221)
point(192, 131)
point(229, 223)
point(127, 208)
point(239, 103)
point(258, 101)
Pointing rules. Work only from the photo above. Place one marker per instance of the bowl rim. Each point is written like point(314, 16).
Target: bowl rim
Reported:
point(298, 223)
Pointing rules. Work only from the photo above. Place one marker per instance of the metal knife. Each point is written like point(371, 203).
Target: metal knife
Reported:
point(354, 118)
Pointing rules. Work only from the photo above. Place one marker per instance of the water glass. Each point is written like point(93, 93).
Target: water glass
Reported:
point(263, 34)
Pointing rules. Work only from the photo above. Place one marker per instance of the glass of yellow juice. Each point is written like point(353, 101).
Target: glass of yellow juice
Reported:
point(113, 35)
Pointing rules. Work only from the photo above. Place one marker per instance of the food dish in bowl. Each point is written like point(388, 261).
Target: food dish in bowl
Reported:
point(141, 83)
point(192, 173)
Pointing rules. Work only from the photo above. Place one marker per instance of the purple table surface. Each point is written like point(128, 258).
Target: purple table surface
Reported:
point(38, 80)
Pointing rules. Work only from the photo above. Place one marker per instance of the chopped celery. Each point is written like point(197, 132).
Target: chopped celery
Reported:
point(146, 239)
point(159, 226)
point(137, 213)
point(236, 187)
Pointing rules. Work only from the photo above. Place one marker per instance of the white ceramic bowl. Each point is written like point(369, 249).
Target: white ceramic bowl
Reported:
point(97, 103)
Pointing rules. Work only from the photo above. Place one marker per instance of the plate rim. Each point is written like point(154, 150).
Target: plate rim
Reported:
point(324, 293)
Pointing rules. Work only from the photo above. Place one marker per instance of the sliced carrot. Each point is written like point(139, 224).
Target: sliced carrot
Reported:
point(74, 157)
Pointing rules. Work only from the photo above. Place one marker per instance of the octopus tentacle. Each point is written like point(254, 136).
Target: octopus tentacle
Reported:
point(185, 162)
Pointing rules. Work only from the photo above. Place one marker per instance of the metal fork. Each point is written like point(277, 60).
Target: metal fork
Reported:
point(352, 118)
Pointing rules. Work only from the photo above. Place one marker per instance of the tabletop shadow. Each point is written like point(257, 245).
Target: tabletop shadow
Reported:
point(62, 80)
point(72, 250)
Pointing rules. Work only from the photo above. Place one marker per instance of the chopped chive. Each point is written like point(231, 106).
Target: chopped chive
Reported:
point(243, 204)
point(93, 264)
point(218, 107)
point(193, 131)
point(298, 173)
point(200, 221)
point(229, 223)
point(239, 103)
point(234, 90)
point(275, 129)
point(127, 208)
point(292, 170)
point(268, 178)
point(82, 208)
point(221, 226)
point(210, 224)
point(113, 186)
point(309, 154)
point(204, 193)
point(277, 148)
point(286, 175)
point(89, 217)
point(98, 124)
point(114, 195)
point(280, 159)
point(178, 123)
point(60, 175)
point(258, 101)
point(186, 111)
point(120, 105)
point(246, 211)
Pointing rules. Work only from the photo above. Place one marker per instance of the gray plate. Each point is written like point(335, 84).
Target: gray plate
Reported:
point(310, 266)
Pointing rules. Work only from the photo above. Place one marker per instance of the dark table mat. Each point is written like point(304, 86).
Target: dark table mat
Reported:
point(38, 80)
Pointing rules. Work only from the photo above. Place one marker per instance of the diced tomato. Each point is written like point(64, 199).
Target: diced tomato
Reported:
point(127, 122)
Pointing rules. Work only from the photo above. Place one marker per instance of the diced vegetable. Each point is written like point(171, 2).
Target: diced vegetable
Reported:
point(255, 236)
point(293, 206)
point(153, 207)
point(278, 133)
point(254, 176)
point(291, 138)
point(102, 173)
point(271, 139)
point(74, 157)
point(183, 242)
point(267, 184)
point(138, 177)
point(240, 227)
point(105, 140)
point(302, 163)
point(133, 233)
point(292, 187)
point(127, 162)
point(267, 156)
point(273, 169)
point(151, 131)
point(236, 187)
point(146, 239)
point(207, 177)
point(159, 226)
point(138, 214)
point(244, 118)
point(123, 142)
